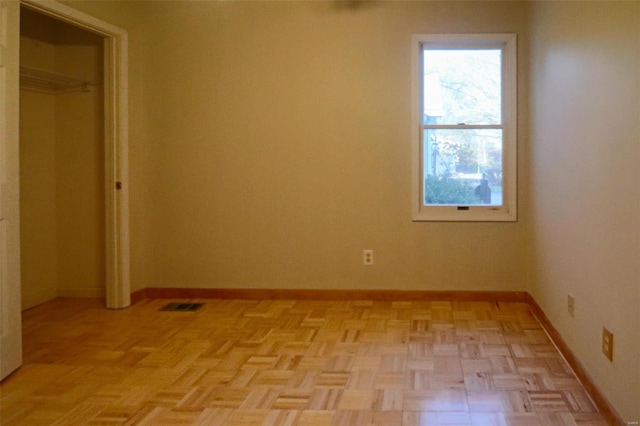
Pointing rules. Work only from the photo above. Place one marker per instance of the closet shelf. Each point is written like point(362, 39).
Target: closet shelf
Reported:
point(37, 80)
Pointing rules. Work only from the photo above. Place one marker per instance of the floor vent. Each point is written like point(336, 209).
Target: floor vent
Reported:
point(182, 307)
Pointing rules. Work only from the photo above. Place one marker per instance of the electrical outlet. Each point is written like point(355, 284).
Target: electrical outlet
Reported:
point(368, 257)
point(571, 305)
point(607, 343)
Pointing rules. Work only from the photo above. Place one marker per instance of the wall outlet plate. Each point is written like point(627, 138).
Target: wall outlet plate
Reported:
point(367, 257)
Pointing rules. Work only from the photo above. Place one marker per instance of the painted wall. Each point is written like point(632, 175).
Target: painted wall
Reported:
point(38, 228)
point(62, 172)
point(80, 167)
point(270, 145)
point(276, 147)
point(585, 149)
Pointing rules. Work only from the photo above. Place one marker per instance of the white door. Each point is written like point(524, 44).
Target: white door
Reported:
point(10, 316)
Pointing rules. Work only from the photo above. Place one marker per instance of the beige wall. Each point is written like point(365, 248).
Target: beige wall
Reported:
point(37, 188)
point(270, 145)
point(276, 147)
point(585, 178)
point(80, 167)
point(62, 167)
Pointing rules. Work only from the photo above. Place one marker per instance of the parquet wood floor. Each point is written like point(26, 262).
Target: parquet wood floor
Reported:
point(292, 362)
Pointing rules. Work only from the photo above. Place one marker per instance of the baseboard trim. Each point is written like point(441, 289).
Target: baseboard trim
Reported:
point(30, 300)
point(273, 294)
point(605, 408)
point(138, 296)
point(80, 292)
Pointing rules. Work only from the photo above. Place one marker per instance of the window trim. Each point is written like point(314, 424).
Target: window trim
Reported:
point(508, 211)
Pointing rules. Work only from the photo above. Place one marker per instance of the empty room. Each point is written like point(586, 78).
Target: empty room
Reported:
point(332, 212)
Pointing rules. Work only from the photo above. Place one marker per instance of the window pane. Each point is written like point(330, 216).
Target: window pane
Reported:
point(462, 166)
point(462, 86)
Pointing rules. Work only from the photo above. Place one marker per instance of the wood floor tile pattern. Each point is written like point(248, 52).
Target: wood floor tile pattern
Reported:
point(291, 362)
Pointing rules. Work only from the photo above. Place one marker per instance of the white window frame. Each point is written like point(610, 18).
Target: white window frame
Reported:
point(506, 212)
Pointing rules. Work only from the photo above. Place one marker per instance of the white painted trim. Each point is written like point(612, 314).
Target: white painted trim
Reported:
point(117, 170)
point(10, 297)
point(508, 211)
point(74, 17)
point(116, 83)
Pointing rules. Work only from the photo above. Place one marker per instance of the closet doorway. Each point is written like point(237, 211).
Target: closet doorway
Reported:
point(73, 165)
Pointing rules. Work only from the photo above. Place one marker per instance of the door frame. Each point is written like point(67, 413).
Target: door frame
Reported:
point(10, 318)
point(116, 131)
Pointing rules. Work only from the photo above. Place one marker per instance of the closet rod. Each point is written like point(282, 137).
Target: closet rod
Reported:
point(38, 80)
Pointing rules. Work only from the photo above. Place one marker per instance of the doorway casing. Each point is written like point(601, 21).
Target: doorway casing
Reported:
point(118, 289)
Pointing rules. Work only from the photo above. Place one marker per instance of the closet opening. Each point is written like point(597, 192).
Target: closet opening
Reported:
point(73, 156)
point(61, 161)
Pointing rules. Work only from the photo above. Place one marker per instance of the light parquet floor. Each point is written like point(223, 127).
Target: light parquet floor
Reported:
point(291, 362)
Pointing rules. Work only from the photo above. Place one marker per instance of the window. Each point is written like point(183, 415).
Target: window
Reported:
point(464, 165)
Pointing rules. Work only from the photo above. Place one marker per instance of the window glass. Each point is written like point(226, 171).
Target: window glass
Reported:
point(463, 166)
point(462, 86)
point(465, 115)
